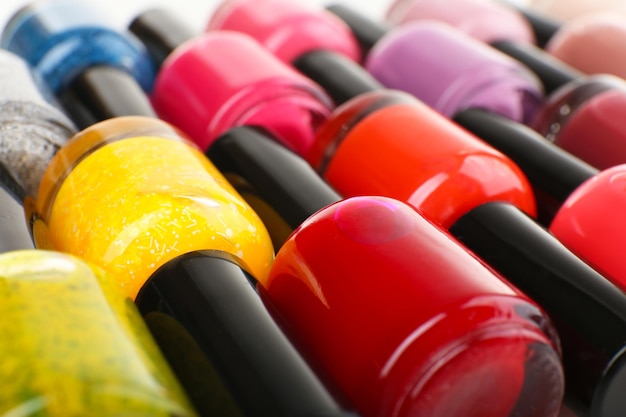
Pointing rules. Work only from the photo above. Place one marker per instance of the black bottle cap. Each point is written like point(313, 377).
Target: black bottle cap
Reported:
point(366, 31)
point(589, 313)
point(104, 92)
point(14, 230)
point(553, 172)
point(161, 32)
point(543, 26)
point(213, 297)
point(282, 178)
point(552, 72)
point(342, 78)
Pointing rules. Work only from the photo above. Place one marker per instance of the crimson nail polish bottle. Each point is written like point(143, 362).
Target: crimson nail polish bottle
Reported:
point(388, 143)
point(583, 117)
point(225, 79)
point(406, 321)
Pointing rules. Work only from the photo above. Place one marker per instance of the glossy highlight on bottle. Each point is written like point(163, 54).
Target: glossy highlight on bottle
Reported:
point(73, 345)
point(358, 265)
point(129, 194)
point(388, 143)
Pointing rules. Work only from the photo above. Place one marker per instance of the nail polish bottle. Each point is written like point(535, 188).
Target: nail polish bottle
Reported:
point(107, 64)
point(473, 75)
point(453, 318)
point(282, 183)
point(580, 112)
point(585, 214)
point(319, 45)
point(582, 117)
point(31, 128)
point(130, 193)
point(73, 345)
point(517, 92)
point(288, 29)
point(225, 79)
point(588, 312)
point(63, 38)
point(485, 20)
point(592, 43)
point(210, 296)
point(401, 148)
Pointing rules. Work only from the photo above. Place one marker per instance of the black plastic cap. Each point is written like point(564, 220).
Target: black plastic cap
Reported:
point(342, 78)
point(552, 72)
point(543, 26)
point(553, 173)
point(589, 313)
point(282, 178)
point(210, 294)
point(104, 92)
point(366, 31)
point(161, 32)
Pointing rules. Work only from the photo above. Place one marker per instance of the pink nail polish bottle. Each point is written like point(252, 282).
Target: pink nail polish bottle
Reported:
point(594, 43)
point(287, 28)
point(225, 79)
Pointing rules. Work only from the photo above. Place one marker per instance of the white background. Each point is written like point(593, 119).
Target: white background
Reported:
point(195, 12)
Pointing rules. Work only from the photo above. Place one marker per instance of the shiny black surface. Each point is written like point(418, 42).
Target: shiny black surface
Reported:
point(282, 178)
point(104, 92)
point(589, 312)
point(214, 299)
point(341, 77)
point(160, 32)
point(366, 31)
point(553, 173)
point(552, 72)
point(543, 26)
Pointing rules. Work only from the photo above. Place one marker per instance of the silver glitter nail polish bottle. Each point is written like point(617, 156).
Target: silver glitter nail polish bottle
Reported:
point(31, 128)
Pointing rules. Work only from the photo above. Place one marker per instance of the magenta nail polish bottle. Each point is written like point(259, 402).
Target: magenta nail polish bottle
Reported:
point(225, 79)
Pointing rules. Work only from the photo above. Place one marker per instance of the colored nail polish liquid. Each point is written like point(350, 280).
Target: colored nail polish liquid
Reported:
point(129, 194)
point(418, 325)
point(387, 143)
point(73, 345)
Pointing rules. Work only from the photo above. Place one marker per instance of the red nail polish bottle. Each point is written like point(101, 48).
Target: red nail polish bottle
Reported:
point(406, 322)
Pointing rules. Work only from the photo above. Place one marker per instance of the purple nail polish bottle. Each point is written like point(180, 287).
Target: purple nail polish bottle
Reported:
point(450, 71)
